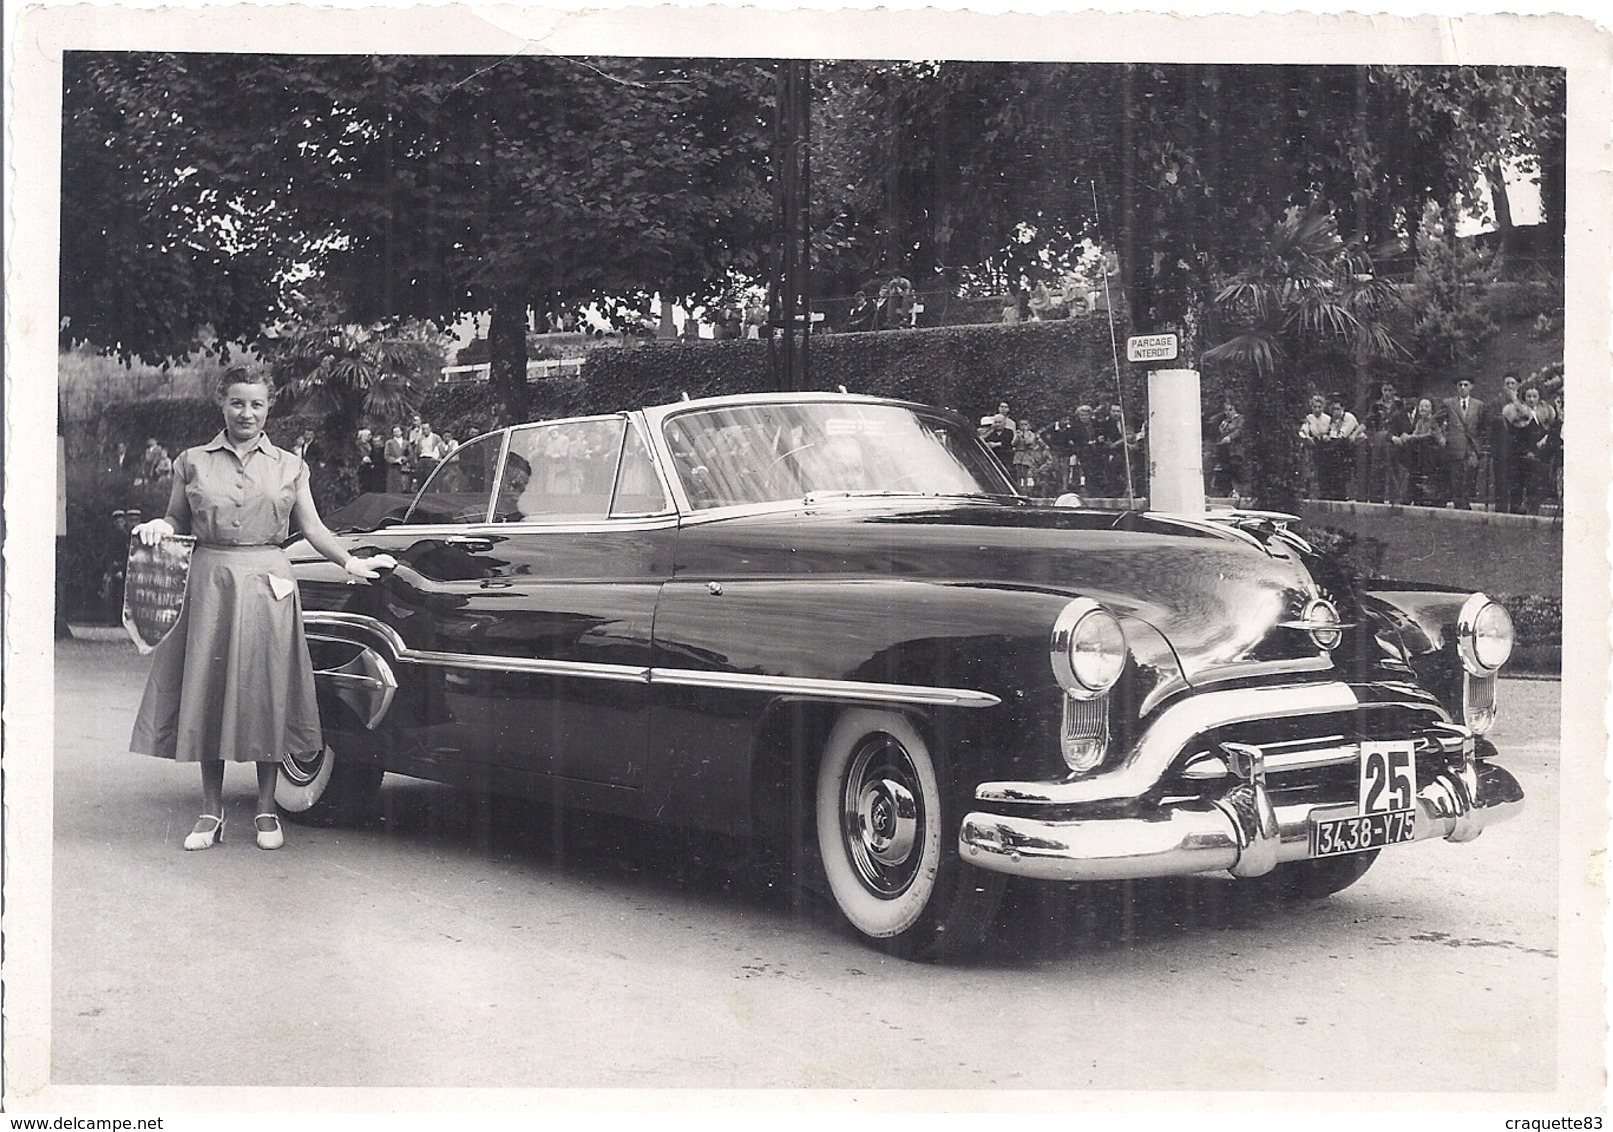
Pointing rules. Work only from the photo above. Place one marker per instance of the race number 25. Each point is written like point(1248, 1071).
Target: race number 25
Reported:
point(1388, 780)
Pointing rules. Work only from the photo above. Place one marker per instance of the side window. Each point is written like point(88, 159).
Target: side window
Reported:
point(560, 473)
point(459, 490)
point(638, 488)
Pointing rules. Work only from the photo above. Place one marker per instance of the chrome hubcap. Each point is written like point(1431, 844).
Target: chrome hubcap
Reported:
point(882, 818)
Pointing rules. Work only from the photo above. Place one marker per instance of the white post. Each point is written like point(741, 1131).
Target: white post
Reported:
point(1175, 442)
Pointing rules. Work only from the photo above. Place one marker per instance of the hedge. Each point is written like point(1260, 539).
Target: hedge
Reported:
point(1042, 369)
point(176, 422)
point(1536, 619)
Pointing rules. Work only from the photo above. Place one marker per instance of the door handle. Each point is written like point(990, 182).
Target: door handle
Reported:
point(474, 543)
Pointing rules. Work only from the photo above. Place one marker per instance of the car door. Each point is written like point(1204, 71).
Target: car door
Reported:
point(539, 614)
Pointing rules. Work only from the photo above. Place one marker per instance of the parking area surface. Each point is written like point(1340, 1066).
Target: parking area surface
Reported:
point(458, 941)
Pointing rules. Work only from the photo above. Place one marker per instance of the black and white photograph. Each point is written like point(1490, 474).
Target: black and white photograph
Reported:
point(843, 561)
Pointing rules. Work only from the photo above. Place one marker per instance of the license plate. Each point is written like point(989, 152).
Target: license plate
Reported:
point(1386, 798)
point(1356, 835)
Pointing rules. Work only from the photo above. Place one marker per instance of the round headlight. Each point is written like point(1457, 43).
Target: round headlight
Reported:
point(1483, 635)
point(1088, 649)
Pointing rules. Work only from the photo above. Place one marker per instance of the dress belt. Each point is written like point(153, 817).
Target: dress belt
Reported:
point(236, 545)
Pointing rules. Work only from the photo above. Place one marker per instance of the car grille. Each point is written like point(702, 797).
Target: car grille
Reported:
point(1312, 757)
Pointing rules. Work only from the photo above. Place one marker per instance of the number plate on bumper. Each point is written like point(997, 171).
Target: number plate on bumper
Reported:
point(1355, 835)
point(1386, 801)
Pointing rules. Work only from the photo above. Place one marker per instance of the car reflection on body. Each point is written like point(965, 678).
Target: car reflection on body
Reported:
point(833, 614)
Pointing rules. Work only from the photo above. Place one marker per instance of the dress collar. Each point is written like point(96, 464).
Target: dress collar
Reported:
point(261, 444)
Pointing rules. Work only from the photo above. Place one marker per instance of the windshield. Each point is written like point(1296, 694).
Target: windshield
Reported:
point(785, 452)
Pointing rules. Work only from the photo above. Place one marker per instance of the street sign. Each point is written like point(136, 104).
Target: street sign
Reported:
point(1151, 348)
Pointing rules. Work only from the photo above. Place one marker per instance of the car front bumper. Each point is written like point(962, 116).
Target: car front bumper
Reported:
point(1240, 831)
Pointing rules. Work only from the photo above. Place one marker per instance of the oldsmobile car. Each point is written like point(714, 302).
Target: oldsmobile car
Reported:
point(831, 620)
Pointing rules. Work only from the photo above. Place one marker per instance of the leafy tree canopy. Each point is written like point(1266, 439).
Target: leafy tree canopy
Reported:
point(931, 167)
point(197, 188)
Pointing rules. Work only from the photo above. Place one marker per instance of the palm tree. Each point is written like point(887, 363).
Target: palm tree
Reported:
point(345, 375)
point(1305, 315)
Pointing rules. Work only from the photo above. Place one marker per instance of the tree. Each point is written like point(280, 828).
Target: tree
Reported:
point(197, 187)
point(1446, 297)
point(155, 251)
point(944, 165)
point(414, 186)
point(504, 184)
point(345, 375)
point(1502, 118)
point(1308, 304)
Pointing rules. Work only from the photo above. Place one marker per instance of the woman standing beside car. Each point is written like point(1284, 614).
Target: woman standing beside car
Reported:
point(232, 680)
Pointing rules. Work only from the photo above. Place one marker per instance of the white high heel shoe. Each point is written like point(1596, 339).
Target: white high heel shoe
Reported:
point(196, 839)
point(270, 838)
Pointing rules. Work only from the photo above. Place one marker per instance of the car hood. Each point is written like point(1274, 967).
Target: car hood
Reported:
point(1217, 599)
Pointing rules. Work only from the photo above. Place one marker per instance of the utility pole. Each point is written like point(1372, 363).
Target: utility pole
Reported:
point(789, 291)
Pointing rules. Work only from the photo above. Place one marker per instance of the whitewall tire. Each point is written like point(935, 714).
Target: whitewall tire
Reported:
point(882, 826)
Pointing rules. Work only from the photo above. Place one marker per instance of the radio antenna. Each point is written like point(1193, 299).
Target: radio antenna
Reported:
point(1114, 351)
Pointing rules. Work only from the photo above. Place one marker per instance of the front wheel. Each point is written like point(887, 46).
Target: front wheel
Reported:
point(1317, 878)
point(325, 788)
point(887, 841)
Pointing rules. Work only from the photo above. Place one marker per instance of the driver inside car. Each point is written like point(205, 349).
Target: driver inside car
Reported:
point(517, 474)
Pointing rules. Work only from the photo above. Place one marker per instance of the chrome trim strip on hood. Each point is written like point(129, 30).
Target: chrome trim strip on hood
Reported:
point(1168, 736)
point(857, 691)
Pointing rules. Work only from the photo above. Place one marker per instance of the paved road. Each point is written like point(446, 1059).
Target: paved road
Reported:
point(453, 942)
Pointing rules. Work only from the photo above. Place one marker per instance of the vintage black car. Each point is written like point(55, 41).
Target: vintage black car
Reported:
point(834, 615)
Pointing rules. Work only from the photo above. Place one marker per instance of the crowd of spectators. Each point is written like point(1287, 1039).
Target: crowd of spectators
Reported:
point(155, 466)
point(152, 466)
point(400, 462)
point(1447, 451)
point(1085, 452)
point(895, 305)
point(1071, 297)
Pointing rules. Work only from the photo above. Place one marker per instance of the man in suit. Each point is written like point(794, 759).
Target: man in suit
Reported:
point(1463, 418)
point(998, 433)
point(1105, 466)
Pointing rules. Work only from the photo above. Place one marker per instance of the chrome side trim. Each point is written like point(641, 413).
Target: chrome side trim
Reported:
point(319, 618)
point(405, 654)
point(528, 666)
point(856, 691)
point(1169, 734)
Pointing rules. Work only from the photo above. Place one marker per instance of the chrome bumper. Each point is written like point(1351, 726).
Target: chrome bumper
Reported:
point(1240, 832)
